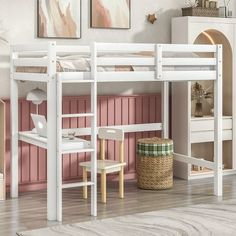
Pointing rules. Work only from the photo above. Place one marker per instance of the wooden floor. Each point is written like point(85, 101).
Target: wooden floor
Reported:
point(29, 211)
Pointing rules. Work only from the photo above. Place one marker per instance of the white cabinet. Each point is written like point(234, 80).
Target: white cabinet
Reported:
point(194, 136)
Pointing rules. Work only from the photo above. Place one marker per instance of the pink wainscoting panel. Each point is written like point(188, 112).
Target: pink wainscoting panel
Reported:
point(112, 110)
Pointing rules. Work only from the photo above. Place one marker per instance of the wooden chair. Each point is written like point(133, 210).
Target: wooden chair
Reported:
point(105, 167)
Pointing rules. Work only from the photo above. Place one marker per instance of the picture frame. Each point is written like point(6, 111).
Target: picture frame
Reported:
point(59, 19)
point(103, 17)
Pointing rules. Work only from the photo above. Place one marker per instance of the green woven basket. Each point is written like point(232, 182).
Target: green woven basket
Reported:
point(155, 147)
point(155, 163)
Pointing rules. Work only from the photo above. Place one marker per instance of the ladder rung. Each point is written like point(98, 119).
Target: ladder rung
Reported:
point(77, 150)
point(77, 115)
point(74, 185)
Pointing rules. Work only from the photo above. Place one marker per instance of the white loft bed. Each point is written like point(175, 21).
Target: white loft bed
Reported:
point(164, 66)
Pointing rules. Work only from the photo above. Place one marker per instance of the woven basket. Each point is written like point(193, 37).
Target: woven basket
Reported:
point(200, 11)
point(155, 163)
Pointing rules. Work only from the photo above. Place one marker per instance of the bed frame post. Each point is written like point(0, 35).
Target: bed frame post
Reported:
point(218, 178)
point(52, 134)
point(94, 129)
point(14, 129)
point(164, 92)
point(158, 61)
point(165, 109)
point(59, 144)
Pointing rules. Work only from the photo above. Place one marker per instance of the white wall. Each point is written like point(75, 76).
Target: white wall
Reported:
point(19, 18)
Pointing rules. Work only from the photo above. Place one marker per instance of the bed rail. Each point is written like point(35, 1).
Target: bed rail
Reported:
point(40, 55)
point(130, 62)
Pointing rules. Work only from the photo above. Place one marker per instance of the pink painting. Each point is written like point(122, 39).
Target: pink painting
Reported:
point(59, 18)
point(110, 14)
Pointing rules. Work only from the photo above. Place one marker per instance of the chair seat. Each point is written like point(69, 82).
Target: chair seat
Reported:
point(108, 165)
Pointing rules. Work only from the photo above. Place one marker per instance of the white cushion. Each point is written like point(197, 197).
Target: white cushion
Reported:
point(1, 175)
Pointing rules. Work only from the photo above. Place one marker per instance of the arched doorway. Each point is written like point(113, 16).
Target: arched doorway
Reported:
point(216, 37)
point(206, 150)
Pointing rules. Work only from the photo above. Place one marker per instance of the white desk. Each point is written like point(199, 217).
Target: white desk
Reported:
point(75, 145)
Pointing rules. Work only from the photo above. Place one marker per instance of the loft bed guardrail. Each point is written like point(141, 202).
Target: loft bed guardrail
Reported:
point(147, 62)
point(109, 62)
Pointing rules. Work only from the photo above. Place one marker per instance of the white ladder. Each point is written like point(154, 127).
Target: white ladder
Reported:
point(93, 144)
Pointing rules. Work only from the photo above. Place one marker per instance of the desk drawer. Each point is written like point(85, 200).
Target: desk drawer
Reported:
point(208, 136)
point(207, 124)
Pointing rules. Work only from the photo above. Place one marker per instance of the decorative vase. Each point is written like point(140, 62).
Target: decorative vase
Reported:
point(225, 12)
point(198, 110)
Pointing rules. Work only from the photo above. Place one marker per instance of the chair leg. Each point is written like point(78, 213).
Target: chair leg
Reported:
point(121, 182)
point(85, 188)
point(103, 186)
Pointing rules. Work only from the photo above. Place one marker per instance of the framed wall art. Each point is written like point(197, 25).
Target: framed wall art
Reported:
point(110, 14)
point(59, 19)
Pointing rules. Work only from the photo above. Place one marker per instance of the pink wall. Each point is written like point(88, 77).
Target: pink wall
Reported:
point(112, 110)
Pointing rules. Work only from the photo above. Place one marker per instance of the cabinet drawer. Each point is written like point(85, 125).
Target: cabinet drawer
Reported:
point(208, 136)
point(207, 124)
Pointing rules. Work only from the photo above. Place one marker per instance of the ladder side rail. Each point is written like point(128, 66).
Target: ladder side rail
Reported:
point(59, 151)
point(94, 129)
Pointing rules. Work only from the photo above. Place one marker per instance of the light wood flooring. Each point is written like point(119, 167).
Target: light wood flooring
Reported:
point(29, 210)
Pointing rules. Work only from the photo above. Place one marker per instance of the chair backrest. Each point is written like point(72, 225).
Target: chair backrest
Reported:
point(111, 134)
